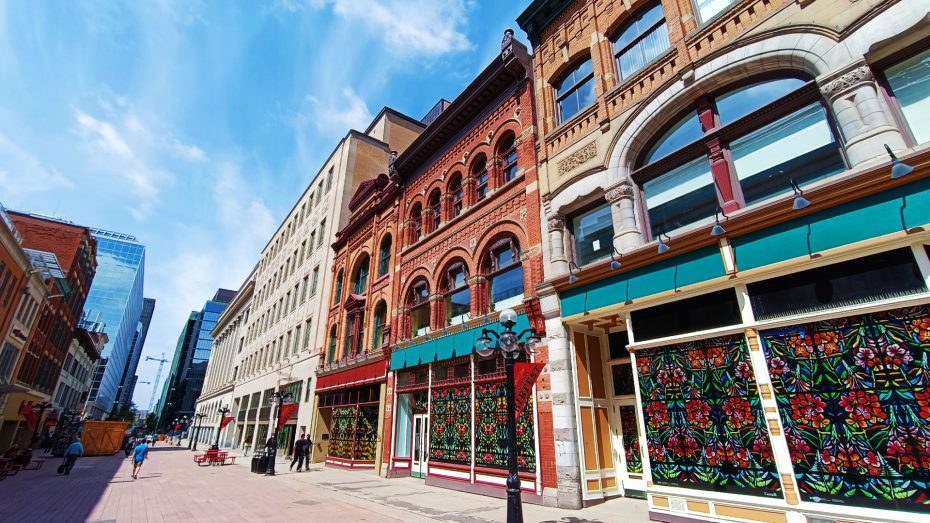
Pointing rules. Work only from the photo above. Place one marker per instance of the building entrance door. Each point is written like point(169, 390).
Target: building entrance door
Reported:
point(420, 454)
point(627, 458)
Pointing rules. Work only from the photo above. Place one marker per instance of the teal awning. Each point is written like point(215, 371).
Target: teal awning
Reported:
point(668, 274)
point(456, 343)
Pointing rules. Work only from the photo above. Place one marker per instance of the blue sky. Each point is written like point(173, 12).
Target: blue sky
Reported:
point(179, 121)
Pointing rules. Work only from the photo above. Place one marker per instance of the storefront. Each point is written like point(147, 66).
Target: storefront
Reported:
point(782, 374)
point(349, 410)
point(449, 417)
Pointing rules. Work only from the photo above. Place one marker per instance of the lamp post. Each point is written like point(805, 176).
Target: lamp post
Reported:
point(508, 343)
point(39, 409)
point(181, 430)
point(223, 412)
point(197, 426)
point(276, 399)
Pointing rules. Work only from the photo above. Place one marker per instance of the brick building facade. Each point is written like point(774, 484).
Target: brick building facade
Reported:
point(469, 247)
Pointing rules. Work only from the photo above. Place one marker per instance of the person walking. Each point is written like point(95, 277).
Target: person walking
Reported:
point(300, 452)
point(138, 456)
point(72, 453)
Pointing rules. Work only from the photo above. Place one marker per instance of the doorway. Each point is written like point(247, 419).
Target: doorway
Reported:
point(624, 415)
point(420, 453)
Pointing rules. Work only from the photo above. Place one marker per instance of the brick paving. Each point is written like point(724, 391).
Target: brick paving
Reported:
point(172, 487)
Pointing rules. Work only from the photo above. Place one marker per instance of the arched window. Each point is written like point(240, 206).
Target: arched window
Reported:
point(332, 345)
point(361, 276)
point(435, 209)
point(457, 293)
point(355, 334)
point(377, 326)
point(418, 301)
point(749, 142)
point(417, 217)
point(384, 256)
point(575, 91)
point(337, 294)
point(479, 172)
point(508, 155)
point(455, 189)
point(641, 40)
point(504, 274)
point(909, 85)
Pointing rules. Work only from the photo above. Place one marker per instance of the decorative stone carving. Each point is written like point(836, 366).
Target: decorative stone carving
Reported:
point(623, 190)
point(507, 44)
point(556, 222)
point(577, 158)
point(856, 76)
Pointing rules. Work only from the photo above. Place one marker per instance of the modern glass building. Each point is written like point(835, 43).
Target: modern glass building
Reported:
point(114, 306)
point(128, 381)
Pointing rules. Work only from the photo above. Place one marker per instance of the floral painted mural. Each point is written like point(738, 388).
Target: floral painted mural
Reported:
point(342, 432)
point(634, 462)
point(366, 433)
point(854, 396)
point(491, 429)
point(450, 425)
point(705, 427)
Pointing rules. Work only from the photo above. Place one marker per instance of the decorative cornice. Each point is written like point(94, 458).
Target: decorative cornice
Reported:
point(577, 158)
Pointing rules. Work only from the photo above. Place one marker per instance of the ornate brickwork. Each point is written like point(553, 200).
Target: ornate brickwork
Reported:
point(577, 158)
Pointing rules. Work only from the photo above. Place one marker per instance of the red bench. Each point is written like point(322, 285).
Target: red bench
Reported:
point(209, 457)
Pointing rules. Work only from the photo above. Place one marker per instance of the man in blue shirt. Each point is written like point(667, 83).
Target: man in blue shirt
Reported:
point(72, 453)
point(138, 456)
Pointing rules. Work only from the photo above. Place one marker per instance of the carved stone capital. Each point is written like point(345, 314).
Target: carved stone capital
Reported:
point(556, 222)
point(621, 191)
point(856, 76)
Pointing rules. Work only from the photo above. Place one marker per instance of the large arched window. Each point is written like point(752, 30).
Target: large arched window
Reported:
point(418, 301)
point(361, 276)
point(575, 90)
point(508, 155)
point(384, 256)
point(504, 274)
point(643, 39)
point(332, 345)
point(457, 293)
point(416, 216)
point(377, 325)
point(479, 172)
point(747, 142)
point(455, 189)
point(435, 210)
point(337, 293)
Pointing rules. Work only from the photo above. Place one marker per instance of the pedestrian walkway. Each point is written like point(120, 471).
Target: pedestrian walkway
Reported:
point(172, 487)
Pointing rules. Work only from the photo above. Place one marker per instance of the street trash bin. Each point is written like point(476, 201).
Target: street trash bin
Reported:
point(259, 462)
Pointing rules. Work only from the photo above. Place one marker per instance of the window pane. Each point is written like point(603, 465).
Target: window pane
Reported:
point(703, 312)
point(594, 235)
point(910, 83)
point(457, 306)
point(503, 257)
point(799, 146)
point(680, 197)
point(507, 288)
point(420, 320)
point(681, 134)
point(736, 104)
point(707, 9)
point(623, 379)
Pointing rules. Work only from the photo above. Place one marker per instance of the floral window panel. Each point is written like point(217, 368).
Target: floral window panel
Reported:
point(342, 432)
point(450, 425)
point(634, 461)
point(366, 433)
point(491, 429)
point(854, 396)
point(705, 427)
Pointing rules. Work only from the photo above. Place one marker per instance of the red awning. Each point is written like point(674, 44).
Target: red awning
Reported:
point(354, 377)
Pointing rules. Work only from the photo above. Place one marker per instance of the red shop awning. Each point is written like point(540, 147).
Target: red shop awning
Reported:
point(354, 377)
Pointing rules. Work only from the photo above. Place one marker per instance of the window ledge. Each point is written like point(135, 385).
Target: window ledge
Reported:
point(567, 124)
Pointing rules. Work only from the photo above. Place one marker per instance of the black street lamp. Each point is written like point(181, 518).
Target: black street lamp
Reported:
point(39, 409)
point(197, 425)
point(181, 430)
point(223, 412)
point(508, 343)
point(277, 399)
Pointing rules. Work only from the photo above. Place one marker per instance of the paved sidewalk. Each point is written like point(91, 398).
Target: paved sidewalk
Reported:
point(172, 487)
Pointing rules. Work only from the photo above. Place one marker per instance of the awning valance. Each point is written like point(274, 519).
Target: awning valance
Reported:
point(354, 377)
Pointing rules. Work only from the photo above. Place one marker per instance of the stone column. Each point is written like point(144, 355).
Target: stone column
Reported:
point(626, 231)
point(559, 262)
point(860, 113)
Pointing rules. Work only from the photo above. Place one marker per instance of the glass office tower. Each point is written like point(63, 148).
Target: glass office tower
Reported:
point(114, 305)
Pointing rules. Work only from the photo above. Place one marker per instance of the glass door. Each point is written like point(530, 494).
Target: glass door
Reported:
point(419, 456)
point(624, 425)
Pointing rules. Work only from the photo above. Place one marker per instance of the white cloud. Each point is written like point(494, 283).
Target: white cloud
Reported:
point(21, 172)
point(335, 118)
point(184, 151)
point(412, 27)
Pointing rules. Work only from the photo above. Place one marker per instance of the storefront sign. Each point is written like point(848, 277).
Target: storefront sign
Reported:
point(524, 377)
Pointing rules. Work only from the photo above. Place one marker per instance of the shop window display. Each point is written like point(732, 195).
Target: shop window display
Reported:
point(450, 425)
point(491, 429)
point(705, 427)
point(634, 461)
point(854, 397)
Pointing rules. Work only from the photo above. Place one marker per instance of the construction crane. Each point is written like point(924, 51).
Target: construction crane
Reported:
point(161, 364)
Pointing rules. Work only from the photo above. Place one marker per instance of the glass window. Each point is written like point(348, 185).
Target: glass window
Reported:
point(455, 188)
point(707, 311)
point(708, 9)
point(480, 173)
point(419, 308)
point(739, 102)
point(505, 275)
point(361, 277)
point(641, 41)
point(384, 257)
point(910, 84)
point(337, 295)
point(435, 209)
point(575, 91)
point(508, 159)
point(322, 232)
point(377, 328)
point(680, 197)
point(594, 235)
point(332, 345)
point(417, 217)
point(685, 131)
point(350, 337)
point(458, 295)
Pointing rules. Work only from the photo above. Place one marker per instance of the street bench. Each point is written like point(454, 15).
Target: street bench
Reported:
point(214, 457)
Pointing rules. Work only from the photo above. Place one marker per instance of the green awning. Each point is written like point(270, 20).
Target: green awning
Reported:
point(457, 343)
